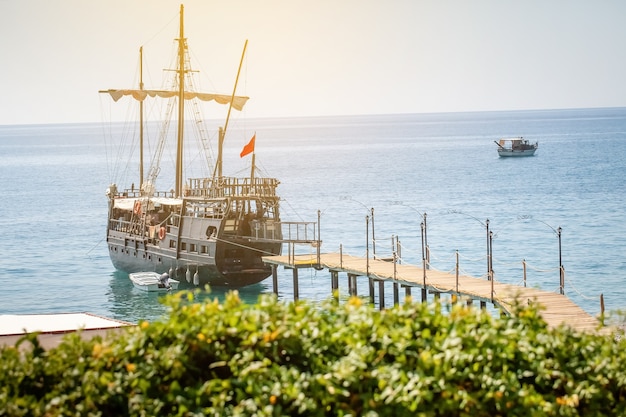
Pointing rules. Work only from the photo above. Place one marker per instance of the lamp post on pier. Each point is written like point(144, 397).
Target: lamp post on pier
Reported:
point(489, 249)
point(424, 231)
point(373, 235)
point(489, 241)
point(490, 277)
point(561, 271)
point(370, 217)
point(424, 292)
point(367, 246)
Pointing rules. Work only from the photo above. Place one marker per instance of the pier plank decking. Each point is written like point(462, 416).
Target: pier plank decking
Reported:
point(555, 309)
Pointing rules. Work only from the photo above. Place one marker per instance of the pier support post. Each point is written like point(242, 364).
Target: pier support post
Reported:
point(352, 284)
point(381, 294)
point(602, 309)
point(296, 296)
point(371, 285)
point(396, 295)
point(334, 283)
point(483, 305)
point(275, 278)
point(407, 291)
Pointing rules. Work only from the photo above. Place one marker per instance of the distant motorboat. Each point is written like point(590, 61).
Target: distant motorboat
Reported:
point(516, 147)
point(153, 281)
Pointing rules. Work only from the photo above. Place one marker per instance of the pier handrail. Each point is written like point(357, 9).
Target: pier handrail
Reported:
point(557, 308)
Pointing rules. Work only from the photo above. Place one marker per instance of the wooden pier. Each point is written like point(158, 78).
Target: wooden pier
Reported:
point(555, 309)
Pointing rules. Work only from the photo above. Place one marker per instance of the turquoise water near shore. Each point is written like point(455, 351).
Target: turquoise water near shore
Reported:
point(53, 213)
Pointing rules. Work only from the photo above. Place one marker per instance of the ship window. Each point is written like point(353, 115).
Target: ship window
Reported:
point(203, 249)
point(193, 247)
point(230, 225)
point(183, 245)
point(172, 244)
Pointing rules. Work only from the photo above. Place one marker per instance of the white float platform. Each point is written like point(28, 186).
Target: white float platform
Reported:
point(52, 327)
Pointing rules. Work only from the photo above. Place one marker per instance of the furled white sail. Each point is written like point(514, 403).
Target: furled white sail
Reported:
point(129, 203)
point(140, 95)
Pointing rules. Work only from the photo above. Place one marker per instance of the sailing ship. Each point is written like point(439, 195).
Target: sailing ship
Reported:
point(212, 230)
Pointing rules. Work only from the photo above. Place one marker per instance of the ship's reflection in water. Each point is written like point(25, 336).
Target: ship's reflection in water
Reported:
point(129, 304)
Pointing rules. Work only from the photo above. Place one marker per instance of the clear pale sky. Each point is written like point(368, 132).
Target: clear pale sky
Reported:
point(318, 57)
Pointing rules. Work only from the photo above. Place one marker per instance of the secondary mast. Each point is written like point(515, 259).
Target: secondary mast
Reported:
point(222, 132)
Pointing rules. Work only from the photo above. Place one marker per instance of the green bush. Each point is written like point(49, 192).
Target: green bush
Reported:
point(275, 358)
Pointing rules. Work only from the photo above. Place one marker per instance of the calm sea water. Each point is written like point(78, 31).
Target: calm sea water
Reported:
point(53, 256)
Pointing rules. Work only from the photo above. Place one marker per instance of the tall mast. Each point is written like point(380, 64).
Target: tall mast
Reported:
point(140, 119)
point(181, 106)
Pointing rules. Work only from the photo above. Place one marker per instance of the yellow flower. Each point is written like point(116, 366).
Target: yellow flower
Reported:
point(97, 350)
point(571, 401)
point(201, 337)
point(144, 325)
point(270, 336)
point(273, 399)
point(130, 367)
point(355, 302)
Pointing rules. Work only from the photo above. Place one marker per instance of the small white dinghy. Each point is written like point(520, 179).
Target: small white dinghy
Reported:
point(153, 281)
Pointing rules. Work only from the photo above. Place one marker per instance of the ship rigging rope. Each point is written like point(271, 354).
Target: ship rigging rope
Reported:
point(117, 150)
point(244, 246)
point(291, 207)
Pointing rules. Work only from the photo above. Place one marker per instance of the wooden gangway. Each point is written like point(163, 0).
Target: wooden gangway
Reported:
point(555, 309)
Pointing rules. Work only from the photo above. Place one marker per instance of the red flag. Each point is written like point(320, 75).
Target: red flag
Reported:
point(249, 148)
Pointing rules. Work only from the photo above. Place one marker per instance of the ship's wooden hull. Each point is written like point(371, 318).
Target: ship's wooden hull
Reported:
point(234, 266)
point(219, 242)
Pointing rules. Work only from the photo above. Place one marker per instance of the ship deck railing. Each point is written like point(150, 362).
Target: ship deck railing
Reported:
point(292, 234)
point(136, 193)
point(232, 187)
point(286, 232)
